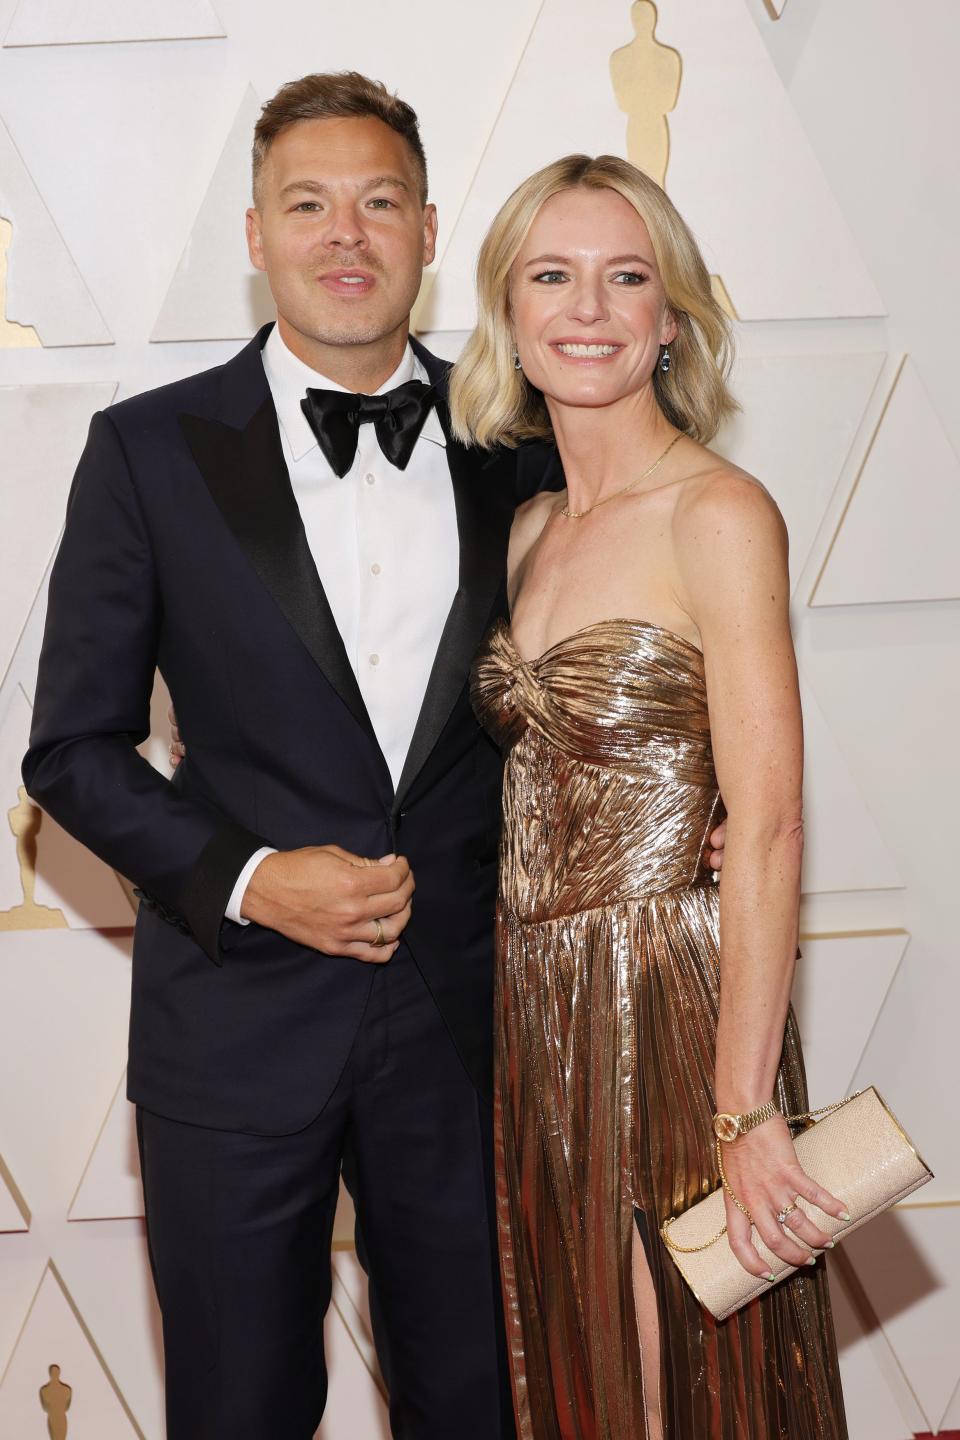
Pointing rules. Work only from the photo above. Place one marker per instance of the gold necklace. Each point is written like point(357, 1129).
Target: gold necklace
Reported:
point(579, 514)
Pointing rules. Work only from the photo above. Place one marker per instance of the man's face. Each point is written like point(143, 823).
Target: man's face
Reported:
point(340, 230)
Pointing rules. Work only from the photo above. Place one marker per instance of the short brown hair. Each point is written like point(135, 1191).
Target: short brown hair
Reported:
point(337, 96)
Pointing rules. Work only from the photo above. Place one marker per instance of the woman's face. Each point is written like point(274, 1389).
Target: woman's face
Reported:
point(589, 311)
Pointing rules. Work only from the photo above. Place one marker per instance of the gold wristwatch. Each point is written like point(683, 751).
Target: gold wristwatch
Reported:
point(728, 1127)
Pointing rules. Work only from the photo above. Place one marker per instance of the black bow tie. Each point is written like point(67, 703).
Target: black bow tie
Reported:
point(335, 417)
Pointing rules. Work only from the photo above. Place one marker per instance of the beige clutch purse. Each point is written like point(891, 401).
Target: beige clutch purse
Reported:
point(859, 1152)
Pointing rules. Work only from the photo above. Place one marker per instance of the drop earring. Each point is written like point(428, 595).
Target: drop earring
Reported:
point(516, 360)
point(665, 359)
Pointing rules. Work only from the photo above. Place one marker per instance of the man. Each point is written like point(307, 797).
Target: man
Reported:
point(328, 726)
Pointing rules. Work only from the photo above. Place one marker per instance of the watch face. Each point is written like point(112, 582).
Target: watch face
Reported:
point(725, 1127)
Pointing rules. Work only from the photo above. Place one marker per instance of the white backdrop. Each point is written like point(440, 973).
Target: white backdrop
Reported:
point(813, 155)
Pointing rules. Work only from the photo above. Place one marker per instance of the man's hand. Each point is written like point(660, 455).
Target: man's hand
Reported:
point(714, 847)
point(323, 896)
point(326, 898)
point(177, 747)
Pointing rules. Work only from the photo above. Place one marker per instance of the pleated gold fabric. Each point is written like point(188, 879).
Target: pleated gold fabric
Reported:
point(607, 1000)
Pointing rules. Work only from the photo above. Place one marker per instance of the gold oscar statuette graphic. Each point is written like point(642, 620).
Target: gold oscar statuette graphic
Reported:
point(646, 78)
point(25, 820)
point(55, 1399)
point(10, 332)
point(646, 81)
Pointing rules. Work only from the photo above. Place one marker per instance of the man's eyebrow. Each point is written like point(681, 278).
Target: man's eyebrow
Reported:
point(314, 187)
point(317, 187)
point(396, 181)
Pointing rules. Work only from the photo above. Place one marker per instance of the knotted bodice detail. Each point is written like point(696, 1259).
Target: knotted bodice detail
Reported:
point(608, 762)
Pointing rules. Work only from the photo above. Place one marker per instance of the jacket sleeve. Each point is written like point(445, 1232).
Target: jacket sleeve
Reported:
point(92, 709)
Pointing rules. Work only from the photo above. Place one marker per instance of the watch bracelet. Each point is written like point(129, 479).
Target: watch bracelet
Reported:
point(751, 1119)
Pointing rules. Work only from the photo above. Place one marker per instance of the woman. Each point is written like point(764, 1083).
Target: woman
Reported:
point(648, 671)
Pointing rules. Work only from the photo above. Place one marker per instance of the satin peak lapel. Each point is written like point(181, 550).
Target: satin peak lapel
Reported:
point(247, 476)
point(485, 509)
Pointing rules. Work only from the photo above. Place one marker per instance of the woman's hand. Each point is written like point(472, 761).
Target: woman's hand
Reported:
point(766, 1177)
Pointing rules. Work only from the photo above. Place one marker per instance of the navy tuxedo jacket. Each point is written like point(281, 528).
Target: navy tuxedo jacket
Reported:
point(184, 550)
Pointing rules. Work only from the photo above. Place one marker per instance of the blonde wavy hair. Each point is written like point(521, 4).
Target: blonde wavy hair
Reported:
point(493, 403)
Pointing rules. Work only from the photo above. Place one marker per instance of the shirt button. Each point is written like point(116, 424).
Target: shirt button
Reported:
point(374, 569)
point(370, 479)
point(374, 659)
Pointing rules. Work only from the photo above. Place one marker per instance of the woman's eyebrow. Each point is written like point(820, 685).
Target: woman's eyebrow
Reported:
point(614, 260)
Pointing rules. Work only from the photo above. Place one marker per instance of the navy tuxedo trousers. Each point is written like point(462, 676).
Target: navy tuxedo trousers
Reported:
point(239, 1228)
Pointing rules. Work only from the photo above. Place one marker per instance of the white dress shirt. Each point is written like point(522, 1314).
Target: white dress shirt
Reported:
point(386, 547)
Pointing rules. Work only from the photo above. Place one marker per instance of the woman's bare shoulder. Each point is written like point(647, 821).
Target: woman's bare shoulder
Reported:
point(720, 503)
point(534, 512)
point(730, 551)
point(529, 520)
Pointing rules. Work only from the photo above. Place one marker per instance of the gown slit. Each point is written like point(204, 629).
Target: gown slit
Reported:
point(648, 1326)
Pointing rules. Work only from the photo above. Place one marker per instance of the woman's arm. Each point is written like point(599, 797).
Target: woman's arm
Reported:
point(731, 549)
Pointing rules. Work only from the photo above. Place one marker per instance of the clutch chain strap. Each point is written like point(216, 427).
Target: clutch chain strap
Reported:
point(791, 1120)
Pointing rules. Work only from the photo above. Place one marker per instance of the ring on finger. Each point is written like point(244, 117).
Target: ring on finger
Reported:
point(782, 1214)
point(381, 938)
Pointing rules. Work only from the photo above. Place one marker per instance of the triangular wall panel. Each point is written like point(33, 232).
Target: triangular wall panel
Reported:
point(110, 1188)
point(356, 1405)
point(844, 849)
point(122, 1313)
point(64, 1023)
point(908, 1263)
point(54, 1334)
point(44, 287)
point(778, 239)
point(746, 178)
point(897, 537)
point(567, 40)
point(951, 1416)
point(14, 1212)
point(772, 438)
point(353, 1299)
point(42, 430)
point(23, 1260)
point(216, 294)
point(841, 984)
point(876, 1396)
point(64, 22)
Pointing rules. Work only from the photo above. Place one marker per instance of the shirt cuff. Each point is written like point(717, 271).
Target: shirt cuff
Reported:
point(232, 911)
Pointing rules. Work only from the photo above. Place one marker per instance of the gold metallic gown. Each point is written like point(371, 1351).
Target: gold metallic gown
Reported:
point(607, 998)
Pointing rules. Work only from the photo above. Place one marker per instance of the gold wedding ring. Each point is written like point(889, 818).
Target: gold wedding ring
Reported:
point(782, 1214)
point(381, 938)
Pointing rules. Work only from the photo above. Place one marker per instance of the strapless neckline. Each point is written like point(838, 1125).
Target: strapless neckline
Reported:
point(613, 623)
